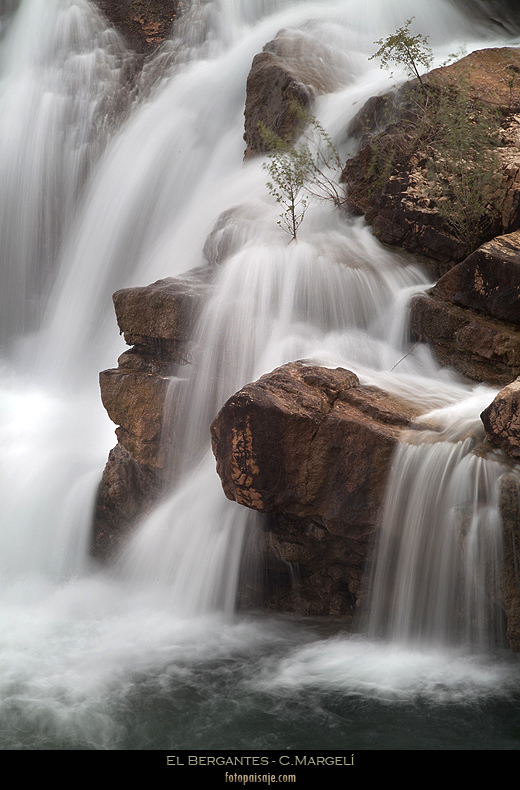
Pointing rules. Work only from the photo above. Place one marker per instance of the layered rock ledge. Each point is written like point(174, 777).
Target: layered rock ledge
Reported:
point(157, 321)
point(471, 318)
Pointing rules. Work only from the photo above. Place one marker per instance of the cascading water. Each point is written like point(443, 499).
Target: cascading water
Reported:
point(105, 188)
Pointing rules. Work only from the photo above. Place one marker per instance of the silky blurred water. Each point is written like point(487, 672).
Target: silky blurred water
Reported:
point(111, 180)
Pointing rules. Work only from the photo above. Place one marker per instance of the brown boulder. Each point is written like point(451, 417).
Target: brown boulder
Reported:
point(502, 419)
point(284, 78)
point(143, 23)
point(487, 281)
point(311, 448)
point(159, 318)
point(310, 442)
point(479, 347)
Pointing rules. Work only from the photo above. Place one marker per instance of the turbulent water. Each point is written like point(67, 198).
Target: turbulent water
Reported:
point(110, 180)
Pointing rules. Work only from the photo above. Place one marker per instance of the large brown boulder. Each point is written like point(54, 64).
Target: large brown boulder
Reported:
point(502, 420)
point(398, 179)
point(143, 23)
point(283, 81)
point(310, 442)
point(311, 448)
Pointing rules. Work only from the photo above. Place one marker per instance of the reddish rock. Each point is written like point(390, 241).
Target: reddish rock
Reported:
point(310, 442)
point(143, 23)
point(312, 448)
point(390, 181)
point(492, 76)
point(502, 420)
point(159, 318)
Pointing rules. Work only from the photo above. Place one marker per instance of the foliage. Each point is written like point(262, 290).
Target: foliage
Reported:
point(403, 48)
point(298, 172)
point(442, 126)
point(464, 171)
point(289, 170)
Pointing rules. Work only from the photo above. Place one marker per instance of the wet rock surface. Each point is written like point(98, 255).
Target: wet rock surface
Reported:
point(157, 320)
point(479, 347)
point(311, 447)
point(144, 23)
point(510, 510)
point(471, 318)
point(488, 281)
point(502, 420)
point(284, 79)
point(390, 179)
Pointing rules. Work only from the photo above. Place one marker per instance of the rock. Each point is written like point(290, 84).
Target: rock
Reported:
point(509, 510)
point(329, 461)
point(309, 571)
point(143, 23)
point(135, 401)
point(492, 76)
point(471, 317)
point(502, 420)
point(285, 78)
point(395, 182)
point(159, 318)
point(487, 281)
point(312, 448)
point(481, 348)
point(127, 491)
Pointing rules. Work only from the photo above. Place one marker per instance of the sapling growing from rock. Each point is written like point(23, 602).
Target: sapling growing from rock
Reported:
point(301, 171)
point(407, 50)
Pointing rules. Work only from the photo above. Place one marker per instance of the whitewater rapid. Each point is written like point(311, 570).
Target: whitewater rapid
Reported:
point(106, 188)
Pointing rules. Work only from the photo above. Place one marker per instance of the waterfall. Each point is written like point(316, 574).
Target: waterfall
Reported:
point(439, 561)
point(112, 179)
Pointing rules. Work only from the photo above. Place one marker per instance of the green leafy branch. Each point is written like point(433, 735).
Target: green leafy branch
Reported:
point(409, 51)
point(301, 171)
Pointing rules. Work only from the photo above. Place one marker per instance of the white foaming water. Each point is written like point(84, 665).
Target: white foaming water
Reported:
point(95, 198)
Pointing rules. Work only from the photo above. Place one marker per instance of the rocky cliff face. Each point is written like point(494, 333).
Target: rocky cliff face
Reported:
point(156, 321)
point(396, 179)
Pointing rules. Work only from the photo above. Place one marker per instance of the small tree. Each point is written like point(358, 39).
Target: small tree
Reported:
point(296, 173)
point(410, 51)
point(290, 170)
